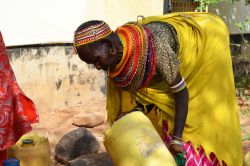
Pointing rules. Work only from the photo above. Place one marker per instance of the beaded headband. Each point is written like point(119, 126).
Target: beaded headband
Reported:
point(91, 34)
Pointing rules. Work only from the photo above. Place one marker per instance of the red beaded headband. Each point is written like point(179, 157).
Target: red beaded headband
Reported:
point(91, 34)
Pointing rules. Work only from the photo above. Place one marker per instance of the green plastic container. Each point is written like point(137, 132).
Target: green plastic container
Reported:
point(180, 160)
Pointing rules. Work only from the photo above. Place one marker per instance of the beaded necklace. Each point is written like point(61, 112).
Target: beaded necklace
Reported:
point(138, 63)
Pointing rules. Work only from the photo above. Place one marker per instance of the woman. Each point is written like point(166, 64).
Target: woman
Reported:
point(17, 112)
point(179, 63)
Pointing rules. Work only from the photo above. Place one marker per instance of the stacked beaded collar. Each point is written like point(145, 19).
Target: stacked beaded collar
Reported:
point(91, 34)
point(138, 63)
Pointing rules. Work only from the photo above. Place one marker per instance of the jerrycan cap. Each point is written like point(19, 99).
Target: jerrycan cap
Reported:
point(27, 141)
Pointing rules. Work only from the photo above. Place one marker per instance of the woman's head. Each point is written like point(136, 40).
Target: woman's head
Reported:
point(94, 43)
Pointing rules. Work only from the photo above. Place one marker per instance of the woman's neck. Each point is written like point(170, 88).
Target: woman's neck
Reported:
point(119, 47)
point(118, 43)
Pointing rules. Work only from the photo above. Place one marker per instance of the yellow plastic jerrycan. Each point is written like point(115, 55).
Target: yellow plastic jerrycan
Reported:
point(31, 150)
point(133, 141)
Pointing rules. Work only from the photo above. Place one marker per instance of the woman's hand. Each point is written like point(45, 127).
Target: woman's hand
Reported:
point(175, 149)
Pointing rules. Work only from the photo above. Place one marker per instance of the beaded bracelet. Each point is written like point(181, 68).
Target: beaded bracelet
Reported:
point(178, 87)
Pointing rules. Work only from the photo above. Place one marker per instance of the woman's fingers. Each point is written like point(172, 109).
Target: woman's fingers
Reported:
point(175, 149)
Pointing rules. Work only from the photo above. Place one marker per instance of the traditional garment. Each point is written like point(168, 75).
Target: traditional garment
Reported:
point(205, 63)
point(194, 157)
point(17, 112)
point(167, 47)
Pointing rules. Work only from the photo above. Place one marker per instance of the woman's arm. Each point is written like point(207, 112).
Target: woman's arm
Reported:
point(181, 108)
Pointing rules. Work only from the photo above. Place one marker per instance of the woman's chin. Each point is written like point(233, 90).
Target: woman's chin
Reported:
point(105, 69)
point(111, 68)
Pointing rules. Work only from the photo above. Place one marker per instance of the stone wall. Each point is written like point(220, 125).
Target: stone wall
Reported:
point(54, 77)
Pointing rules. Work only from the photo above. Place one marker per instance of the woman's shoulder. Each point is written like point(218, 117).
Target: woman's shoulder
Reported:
point(164, 32)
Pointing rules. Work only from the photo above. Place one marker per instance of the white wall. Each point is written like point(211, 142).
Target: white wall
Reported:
point(118, 12)
point(39, 21)
point(43, 21)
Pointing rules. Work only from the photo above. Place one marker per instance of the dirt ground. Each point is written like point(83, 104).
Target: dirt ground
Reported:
point(56, 123)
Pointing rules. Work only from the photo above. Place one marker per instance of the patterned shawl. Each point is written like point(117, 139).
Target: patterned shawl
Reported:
point(17, 112)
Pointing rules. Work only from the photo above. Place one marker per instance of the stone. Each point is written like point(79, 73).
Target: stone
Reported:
point(247, 159)
point(89, 119)
point(97, 159)
point(74, 144)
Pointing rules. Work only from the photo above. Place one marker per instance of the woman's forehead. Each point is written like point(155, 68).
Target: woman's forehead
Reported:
point(86, 53)
point(91, 50)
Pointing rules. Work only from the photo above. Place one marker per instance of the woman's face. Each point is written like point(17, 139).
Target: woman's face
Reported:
point(98, 55)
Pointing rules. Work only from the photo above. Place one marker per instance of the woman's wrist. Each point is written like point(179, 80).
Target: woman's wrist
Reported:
point(176, 137)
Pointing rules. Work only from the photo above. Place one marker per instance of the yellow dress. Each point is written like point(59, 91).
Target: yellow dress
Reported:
point(205, 63)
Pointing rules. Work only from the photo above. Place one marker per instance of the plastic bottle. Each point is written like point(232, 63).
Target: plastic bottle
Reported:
point(31, 150)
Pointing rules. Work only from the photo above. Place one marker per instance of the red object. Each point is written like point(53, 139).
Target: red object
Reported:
point(17, 112)
point(3, 156)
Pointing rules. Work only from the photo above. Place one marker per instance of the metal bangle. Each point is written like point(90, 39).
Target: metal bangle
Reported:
point(175, 142)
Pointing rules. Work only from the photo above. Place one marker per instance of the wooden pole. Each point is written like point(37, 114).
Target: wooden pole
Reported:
point(166, 6)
